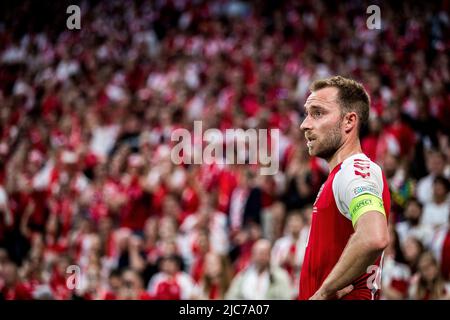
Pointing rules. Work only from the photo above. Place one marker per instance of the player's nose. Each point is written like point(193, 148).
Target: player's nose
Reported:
point(306, 124)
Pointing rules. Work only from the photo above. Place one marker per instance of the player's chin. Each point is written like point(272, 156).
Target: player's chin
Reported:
point(311, 151)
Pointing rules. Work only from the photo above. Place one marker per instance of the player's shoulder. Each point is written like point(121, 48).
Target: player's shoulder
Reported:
point(359, 173)
point(359, 166)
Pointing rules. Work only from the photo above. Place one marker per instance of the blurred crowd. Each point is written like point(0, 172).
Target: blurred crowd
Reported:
point(86, 116)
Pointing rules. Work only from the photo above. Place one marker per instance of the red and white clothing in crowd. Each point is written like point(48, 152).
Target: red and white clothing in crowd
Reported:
point(55, 173)
point(423, 188)
point(197, 269)
point(163, 286)
point(189, 200)
point(88, 241)
point(137, 207)
point(6, 218)
point(425, 185)
point(218, 232)
point(245, 256)
point(403, 134)
point(19, 291)
point(427, 295)
point(287, 248)
point(64, 207)
point(214, 292)
point(103, 140)
point(59, 288)
point(98, 197)
point(208, 175)
point(422, 232)
point(237, 205)
point(436, 214)
point(440, 246)
point(318, 167)
point(395, 276)
point(226, 182)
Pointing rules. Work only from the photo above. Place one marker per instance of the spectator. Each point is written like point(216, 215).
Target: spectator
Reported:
point(12, 288)
point(216, 278)
point(400, 184)
point(199, 249)
point(413, 226)
point(436, 164)
point(428, 283)
point(441, 249)
point(171, 283)
point(437, 211)
point(132, 287)
point(243, 243)
point(260, 280)
point(289, 250)
point(396, 272)
point(412, 249)
point(112, 292)
point(209, 218)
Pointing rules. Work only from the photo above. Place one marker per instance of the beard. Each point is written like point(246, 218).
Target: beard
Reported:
point(326, 147)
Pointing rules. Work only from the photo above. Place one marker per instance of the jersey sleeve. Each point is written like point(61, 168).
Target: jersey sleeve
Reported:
point(358, 188)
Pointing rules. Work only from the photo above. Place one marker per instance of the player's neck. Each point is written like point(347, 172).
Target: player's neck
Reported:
point(348, 148)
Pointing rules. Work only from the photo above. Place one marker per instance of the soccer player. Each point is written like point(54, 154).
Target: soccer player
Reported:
point(349, 222)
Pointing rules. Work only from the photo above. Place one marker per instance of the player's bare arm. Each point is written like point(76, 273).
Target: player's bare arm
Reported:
point(364, 247)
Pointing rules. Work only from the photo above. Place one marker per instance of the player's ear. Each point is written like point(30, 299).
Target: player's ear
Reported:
point(350, 120)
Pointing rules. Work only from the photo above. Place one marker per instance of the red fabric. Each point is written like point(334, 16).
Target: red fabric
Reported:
point(110, 296)
point(214, 292)
point(198, 268)
point(57, 246)
point(158, 199)
point(369, 146)
point(227, 183)
point(445, 260)
point(137, 209)
point(190, 200)
point(250, 105)
point(39, 215)
point(245, 256)
point(18, 201)
point(292, 252)
point(59, 287)
point(168, 290)
point(317, 173)
point(65, 211)
point(404, 135)
point(50, 104)
point(143, 295)
point(400, 285)
point(18, 292)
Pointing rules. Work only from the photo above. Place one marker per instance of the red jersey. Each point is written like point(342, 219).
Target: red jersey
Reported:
point(331, 225)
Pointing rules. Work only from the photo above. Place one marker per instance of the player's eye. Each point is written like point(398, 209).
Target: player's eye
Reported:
point(317, 114)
